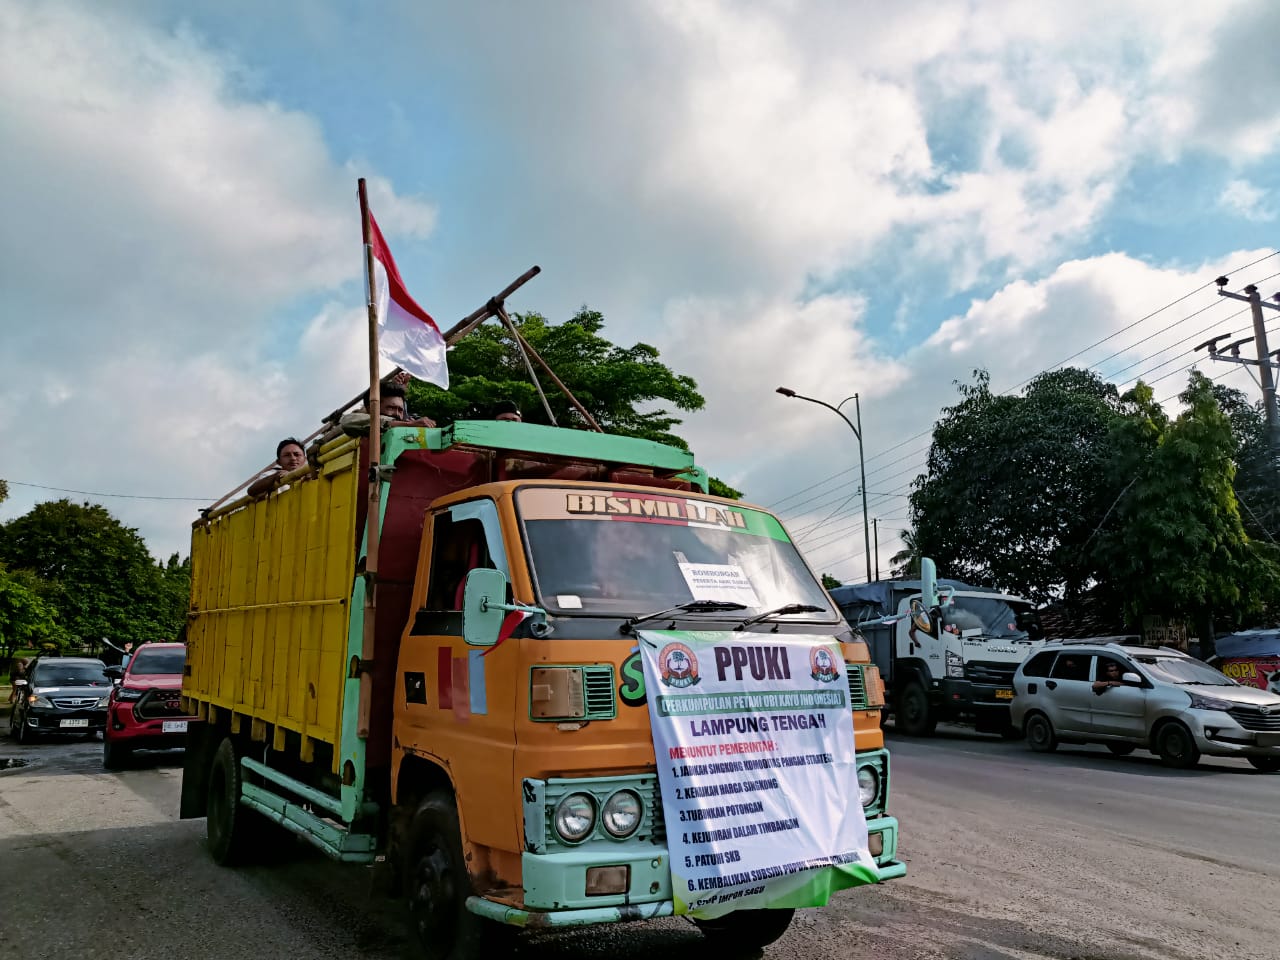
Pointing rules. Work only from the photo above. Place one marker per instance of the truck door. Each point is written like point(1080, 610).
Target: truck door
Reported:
point(1069, 692)
point(453, 703)
point(1119, 711)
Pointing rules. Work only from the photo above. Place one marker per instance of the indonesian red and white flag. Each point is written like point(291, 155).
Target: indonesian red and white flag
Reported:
point(407, 336)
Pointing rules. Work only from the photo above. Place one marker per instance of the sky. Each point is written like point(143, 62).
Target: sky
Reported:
point(839, 197)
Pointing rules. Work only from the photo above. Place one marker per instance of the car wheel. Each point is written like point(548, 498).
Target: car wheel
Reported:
point(25, 734)
point(1265, 764)
point(914, 716)
point(114, 755)
point(236, 834)
point(1176, 747)
point(745, 931)
point(436, 885)
point(1040, 735)
point(1121, 749)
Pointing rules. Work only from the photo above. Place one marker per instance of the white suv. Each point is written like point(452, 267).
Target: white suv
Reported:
point(1155, 698)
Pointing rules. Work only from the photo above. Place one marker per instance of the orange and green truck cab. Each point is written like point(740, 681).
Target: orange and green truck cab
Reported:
point(501, 763)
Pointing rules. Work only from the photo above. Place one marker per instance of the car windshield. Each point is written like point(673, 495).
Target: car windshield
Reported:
point(994, 616)
point(169, 660)
point(1178, 670)
point(70, 675)
point(629, 553)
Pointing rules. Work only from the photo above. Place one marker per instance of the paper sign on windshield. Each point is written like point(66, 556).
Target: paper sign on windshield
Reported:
point(754, 745)
point(719, 581)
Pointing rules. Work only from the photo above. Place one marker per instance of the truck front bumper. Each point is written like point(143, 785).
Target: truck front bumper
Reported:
point(555, 884)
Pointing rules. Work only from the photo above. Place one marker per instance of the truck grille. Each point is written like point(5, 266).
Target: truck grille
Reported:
point(1252, 718)
point(857, 686)
point(598, 681)
point(999, 674)
point(159, 704)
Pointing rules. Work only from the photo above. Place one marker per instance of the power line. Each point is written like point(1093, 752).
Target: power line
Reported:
point(778, 504)
point(117, 496)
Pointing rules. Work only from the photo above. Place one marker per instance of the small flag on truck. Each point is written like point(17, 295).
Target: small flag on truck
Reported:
point(407, 336)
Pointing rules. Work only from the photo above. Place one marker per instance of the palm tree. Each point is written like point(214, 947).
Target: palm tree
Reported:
point(905, 564)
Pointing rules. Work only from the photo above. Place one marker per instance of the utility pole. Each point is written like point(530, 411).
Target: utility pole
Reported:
point(1267, 359)
point(876, 526)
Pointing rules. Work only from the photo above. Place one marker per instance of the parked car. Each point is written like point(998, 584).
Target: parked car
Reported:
point(145, 709)
point(1157, 699)
point(60, 695)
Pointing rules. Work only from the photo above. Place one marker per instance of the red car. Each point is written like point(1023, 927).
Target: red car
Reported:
point(144, 711)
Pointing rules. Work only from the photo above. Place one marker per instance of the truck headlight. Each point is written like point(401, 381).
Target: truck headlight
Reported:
point(575, 817)
point(621, 814)
point(868, 785)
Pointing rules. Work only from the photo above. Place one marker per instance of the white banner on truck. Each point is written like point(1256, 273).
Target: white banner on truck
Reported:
point(754, 741)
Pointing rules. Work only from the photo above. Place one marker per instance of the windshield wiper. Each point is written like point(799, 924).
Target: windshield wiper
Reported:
point(692, 606)
point(778, 612)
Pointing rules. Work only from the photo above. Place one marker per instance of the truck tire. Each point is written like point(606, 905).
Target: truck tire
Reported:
point(235, 833)
point(437, 884)
point(1040, 735)
point(745, 931)
point(914, 716)
point(1176, 747)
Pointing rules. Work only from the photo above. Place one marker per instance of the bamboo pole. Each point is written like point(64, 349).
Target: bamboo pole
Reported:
point(522, 342)
point(373, 519)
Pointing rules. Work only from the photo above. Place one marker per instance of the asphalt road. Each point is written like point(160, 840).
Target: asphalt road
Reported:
point(1077, 856)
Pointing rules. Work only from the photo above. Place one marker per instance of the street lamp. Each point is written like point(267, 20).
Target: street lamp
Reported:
point(862, 464)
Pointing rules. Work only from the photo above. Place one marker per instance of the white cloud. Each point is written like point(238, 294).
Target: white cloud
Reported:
point(1245, 200)
point(162, 227)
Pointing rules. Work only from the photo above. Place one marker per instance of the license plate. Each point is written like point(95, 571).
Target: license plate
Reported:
point(83, 722)
point(1004, 694)
point(1268, 739)
point(173, 726)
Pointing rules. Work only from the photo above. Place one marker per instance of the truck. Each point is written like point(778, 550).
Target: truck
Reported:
point(946, 650)
point(482, 740)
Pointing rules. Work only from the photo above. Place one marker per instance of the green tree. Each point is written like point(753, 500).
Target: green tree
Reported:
point(905, 564)
point(619, 386)
point(1175, 543)
point(1257, 481)
point(614, 383)
point(1014, 484)
point(95, 573)
point(829, 581)
point(26, 621)
point(4, 491)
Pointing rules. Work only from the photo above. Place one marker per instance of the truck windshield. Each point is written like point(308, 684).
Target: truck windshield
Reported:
point(628, 553)
point(995, 616)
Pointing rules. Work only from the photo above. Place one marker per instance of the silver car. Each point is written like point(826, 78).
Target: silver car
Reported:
point(1156, 698)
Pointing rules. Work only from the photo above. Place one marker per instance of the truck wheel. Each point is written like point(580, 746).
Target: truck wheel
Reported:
point(1040, 735)
point(114, 756)
point(1121, 749)
point(745, 931)
point(914, 715)
point(436, 885)
point(1176, 747)
point(235, 832)
point(1265, 764)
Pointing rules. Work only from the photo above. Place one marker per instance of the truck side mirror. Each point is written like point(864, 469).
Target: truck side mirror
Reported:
point(484, 599)
point(929, 583)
